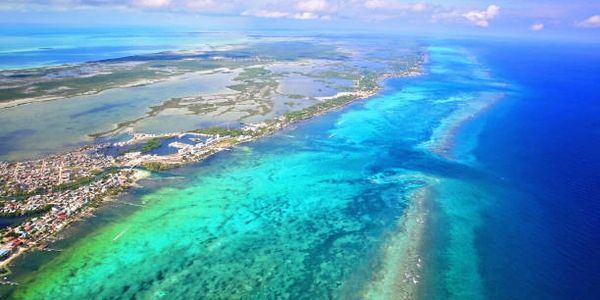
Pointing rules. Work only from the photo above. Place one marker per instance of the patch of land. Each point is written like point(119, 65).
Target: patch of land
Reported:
point(19, 87)
point(264, 99)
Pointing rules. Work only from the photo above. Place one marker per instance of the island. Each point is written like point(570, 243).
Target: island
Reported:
point(43, 196)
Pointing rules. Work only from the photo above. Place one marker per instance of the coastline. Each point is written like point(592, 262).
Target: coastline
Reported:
point(340, 100)
point(85, 212)
point(141, 82)
point(404, 261)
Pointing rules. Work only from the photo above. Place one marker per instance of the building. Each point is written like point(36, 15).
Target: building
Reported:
point(4, 253)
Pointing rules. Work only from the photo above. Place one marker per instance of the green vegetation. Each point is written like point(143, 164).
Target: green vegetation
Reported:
point(308, 112)
point(78, 85)
point(106, 173)
point(221, 131)
point(295, 96)
point(238, 87)
point(293, 50)
point(254, 80)
point(38, 211)
point(8, 94)
point(68, 186)
point(347, 75)
point(150, 145)
point(368, 82)
point(21, 194)
point(75, 184)
point(157, 166)
point(10, 234)
point(253, 73)
point(35, 83)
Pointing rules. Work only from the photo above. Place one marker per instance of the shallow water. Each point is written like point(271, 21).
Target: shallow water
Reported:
point(306, 213)
point(35, 129)
point(362, 203)
point(24, 47)
point(311, 87)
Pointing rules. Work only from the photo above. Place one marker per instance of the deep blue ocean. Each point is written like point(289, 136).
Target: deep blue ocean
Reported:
point(544, 242)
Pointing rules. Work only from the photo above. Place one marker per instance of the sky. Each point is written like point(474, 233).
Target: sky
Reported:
point(574, 18)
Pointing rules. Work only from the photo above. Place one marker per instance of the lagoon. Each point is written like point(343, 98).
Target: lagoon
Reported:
point(35, 129)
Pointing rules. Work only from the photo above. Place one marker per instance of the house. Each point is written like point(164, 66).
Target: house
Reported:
point(4, 252)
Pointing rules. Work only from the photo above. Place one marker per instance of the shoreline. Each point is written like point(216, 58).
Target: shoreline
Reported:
point(83, 213)
point(338, 101)
point(141, 82)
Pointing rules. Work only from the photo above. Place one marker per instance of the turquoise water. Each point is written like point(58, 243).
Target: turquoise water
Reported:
point(374, 201)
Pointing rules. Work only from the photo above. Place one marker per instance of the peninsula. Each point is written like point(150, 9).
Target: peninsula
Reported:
point(48, 194)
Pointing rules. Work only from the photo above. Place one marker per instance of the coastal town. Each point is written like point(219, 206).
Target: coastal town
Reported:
point(49, 193)
point(44, 196)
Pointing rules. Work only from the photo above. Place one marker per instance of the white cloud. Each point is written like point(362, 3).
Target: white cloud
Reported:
point(202, 4)
point(482, 18)
point(419, 7)
point(275, 14)
point(313, 6)
point(305, 16)
point(267, 14)
point(411, 12)
point(151, 3)
point(376, 4)
point(299, 10)
point(536, 27)
point(593, 21)
point(393, 5)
